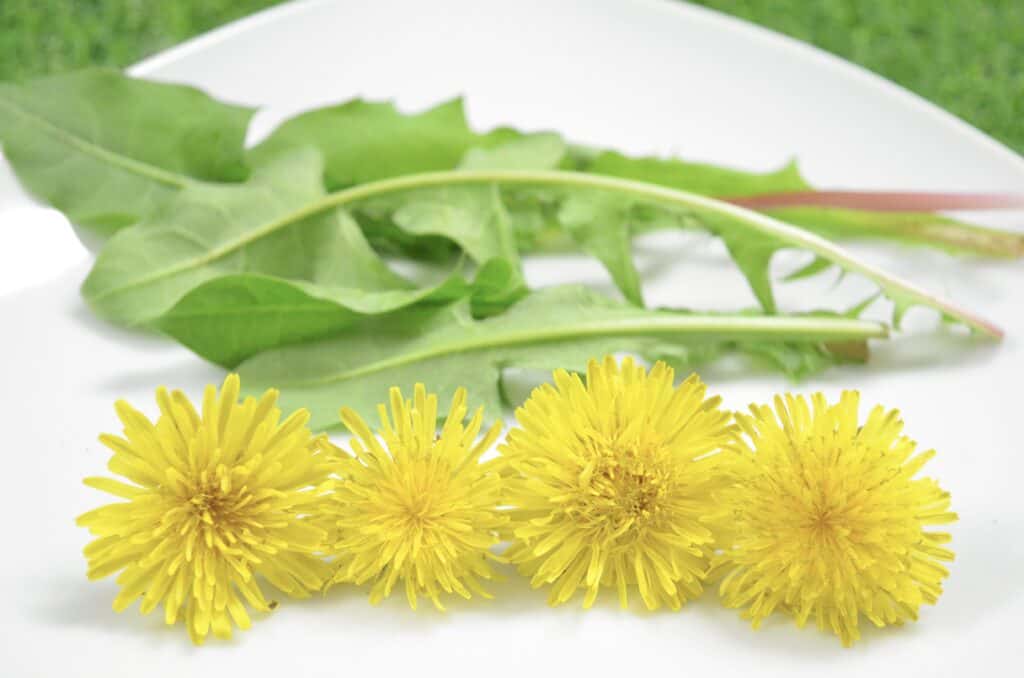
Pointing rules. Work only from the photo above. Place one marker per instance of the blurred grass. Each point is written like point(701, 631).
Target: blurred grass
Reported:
point(965, 55)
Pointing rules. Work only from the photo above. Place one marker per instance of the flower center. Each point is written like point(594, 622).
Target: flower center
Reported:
point(827, 519)
point(627, 486)
point(636, 491)
point(212, 503)
point(418, 510)
point(220, 510)
point(421, 495)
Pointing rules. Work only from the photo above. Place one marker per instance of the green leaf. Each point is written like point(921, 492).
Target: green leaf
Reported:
point(693, 177)
point(343, 258)
point(831, 222)
point(752, 236)
point(211, 230)
point(472, 217)
point(219, 273)
point(365, 141)
point(599, 223)
point(814, 267)
point(544, 150)
point(752, 253)
point(370, 141)
point(233, 317)
point(108, 150)
point(556, 327)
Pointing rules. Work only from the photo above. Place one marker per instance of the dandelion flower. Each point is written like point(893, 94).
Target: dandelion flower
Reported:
point(613, 480)
point(415, 507)
point(212, 500)
point(828, 519)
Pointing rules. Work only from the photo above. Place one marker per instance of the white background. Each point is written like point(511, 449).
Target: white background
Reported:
point(640, 76)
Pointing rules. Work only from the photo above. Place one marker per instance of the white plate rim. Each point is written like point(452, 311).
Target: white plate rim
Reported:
point(840, 67)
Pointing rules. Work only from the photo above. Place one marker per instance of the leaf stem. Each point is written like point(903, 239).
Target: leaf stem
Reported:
point(882, 201)
point(697, 204)
point(707, 327)
point(666, 196)
point(902, 215)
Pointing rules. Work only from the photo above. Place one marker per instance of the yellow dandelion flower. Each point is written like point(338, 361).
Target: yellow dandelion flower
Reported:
point(213, 500)
point(828, 519)
point(415, 506)
point(613, 480)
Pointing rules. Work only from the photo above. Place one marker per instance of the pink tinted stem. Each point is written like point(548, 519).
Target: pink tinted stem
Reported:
point(883, 201)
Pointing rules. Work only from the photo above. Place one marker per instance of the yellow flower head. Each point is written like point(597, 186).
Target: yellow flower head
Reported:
point(613, 480)
point(829, 520)
point(415, 506)
point(215, 498)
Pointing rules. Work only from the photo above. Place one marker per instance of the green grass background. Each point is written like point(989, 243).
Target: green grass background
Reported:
point(965, 55)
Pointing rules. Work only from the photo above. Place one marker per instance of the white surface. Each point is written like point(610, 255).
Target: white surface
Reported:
point(642, 76)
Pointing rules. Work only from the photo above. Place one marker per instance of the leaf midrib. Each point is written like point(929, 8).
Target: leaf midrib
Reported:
point(756, 221)
point(93, 149)
point(737, 328)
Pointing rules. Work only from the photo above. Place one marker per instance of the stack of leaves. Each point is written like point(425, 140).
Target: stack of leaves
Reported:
point(278, 259)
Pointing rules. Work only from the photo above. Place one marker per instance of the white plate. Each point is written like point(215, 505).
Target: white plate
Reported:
point(641, 76)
